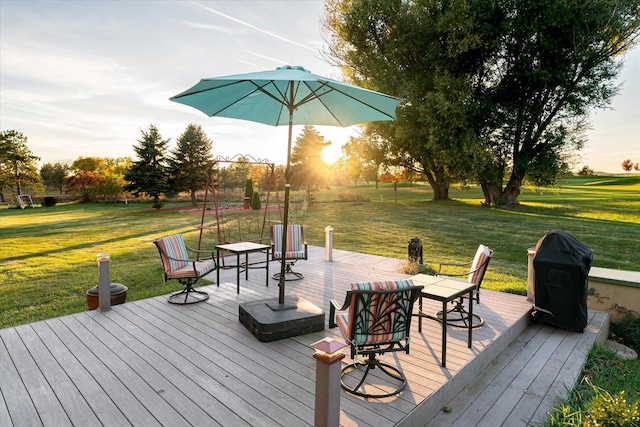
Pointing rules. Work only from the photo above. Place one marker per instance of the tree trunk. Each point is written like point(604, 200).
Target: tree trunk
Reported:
point(491, 191)
point(194, 202)
point(18, 186)
point(441, 191)
point(495, 195)
point(513, 189)
point(438, 183)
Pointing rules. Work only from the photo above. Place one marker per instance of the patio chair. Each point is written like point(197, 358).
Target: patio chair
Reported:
point(176, 264)
point(296, 249)
point(458, 315)
point(377, 322)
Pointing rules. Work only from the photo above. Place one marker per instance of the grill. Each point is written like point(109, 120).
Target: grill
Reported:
point(561, 268)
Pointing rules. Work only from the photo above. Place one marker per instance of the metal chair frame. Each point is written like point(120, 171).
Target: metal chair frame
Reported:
point(458, 316)
point(289, 274)
point(191, 296)
point(379, 310)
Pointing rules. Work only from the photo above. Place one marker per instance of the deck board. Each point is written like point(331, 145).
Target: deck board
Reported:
point(149, 363)
point(522, 385)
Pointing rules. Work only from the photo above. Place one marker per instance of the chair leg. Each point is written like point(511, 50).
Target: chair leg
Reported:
point(191, 296)
point(288, 272)
point(458, 316)
point(371, 363)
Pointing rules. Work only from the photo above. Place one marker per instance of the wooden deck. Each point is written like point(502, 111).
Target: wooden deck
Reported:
point(152, 363)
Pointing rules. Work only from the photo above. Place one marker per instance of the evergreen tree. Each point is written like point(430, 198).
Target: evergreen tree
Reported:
point(188, 162)
point(308, 166)
point(17, 163)
point(149, 173)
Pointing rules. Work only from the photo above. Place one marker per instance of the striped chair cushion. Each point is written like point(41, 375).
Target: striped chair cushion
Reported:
point(380, 322)
point(295, 241)
point(174, 247)
point(481, 259)
point(201, 268)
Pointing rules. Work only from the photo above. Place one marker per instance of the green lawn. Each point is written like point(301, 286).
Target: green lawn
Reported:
point(48, 255)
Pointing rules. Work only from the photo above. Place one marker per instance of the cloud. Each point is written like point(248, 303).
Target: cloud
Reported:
point(253, 27)
point(210, 27)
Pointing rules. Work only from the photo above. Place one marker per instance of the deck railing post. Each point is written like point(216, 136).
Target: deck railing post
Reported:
point(531, 253)
point(328, 243)
point(327, 405)
point(104, 283)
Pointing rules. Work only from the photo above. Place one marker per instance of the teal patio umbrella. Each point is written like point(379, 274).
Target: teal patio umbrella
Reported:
point(288, 95)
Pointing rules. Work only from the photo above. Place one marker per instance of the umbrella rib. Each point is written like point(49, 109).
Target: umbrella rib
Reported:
point(317, 96)
point(314, 95)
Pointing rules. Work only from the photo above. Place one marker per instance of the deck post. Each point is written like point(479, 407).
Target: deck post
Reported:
point(531, 253)
point(327, 404)
point(328, 243)
point(104, 283)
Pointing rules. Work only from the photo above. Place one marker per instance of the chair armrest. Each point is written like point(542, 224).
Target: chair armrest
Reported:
point(192, 261)
point(450, 264)
point(453, 275)
point(200, 251)
point(334, 305)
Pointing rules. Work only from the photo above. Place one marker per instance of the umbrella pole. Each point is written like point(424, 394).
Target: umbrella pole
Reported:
point(285, 219)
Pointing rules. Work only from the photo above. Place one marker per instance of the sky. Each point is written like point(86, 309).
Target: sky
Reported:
point(84, 78)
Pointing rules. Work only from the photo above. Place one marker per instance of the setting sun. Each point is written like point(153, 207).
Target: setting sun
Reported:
point(331, 153)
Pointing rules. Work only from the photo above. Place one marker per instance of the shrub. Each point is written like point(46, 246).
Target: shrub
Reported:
point(347, 196)
point(614, 411)
point(248, 188)
point(49, 201)
point(255, 201)
point(629, 330)
point(602, 410)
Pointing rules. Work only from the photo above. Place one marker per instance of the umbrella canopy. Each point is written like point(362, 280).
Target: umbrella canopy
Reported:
point(289, 96)
point(271, 97)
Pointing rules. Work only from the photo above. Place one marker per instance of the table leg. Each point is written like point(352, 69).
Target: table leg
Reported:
point(444, 333)
point(420, 314)
point(246, 266)
point(470, 318)
point(238, 271)
point(267, 267)
point(218, 265)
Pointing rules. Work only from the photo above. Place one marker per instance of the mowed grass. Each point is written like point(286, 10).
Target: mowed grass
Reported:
point(48, 255)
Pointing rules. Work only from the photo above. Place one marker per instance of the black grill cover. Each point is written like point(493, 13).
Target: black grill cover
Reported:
point(561, 267)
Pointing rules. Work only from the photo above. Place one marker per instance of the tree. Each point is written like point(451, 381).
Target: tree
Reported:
point(256, 203)
point(363, 158)
point(149, 173)
point(97, 178)
point(248, 188)
point(84, 185)
point(88, 164)
point(627, 165)
point(189, 160)
point(17, 163)
point(423, 52)
point(493, 90)
point(556, 61)
point(308, 166)
point(586, 170)
point(235, 175)
point(636, 167)
point(54, 174)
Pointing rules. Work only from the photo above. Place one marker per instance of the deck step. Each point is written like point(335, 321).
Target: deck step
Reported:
point(524, 382)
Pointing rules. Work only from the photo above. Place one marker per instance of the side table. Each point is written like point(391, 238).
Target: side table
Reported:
point(242, 248)
point(444, 289)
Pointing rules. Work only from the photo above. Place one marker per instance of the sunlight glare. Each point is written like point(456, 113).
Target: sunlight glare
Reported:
point(331, 153)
